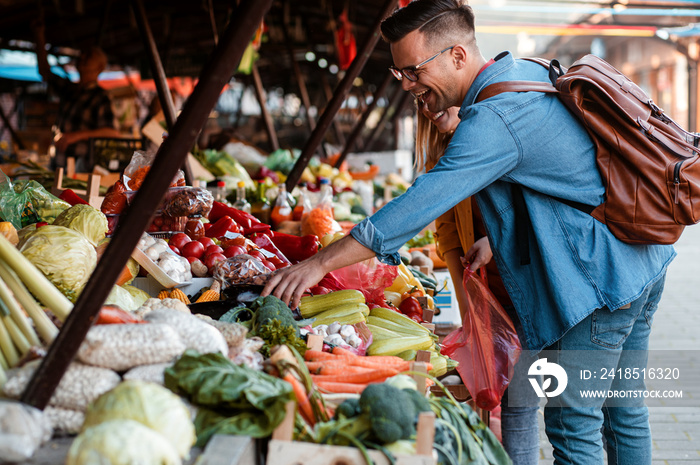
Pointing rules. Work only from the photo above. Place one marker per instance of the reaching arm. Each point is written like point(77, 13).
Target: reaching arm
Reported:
point(290, 283)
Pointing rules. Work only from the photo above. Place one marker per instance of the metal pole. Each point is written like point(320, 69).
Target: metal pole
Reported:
point(341, 92)
point(171, 154)
point(267, 118)
point(166, 99)
point(393, 102)
point(329, 96)
point(360, 125)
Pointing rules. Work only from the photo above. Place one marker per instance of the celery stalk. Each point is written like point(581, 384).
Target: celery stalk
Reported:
point(44, 326)
point(17, 315)
point(7, 346)
point(35, 280)
point(3, 363)
point(16, 335)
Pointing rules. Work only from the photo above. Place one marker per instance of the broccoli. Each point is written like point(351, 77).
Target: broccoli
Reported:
point(349, 408)
point(420, 403)
point(269, 308)
point(390, 410)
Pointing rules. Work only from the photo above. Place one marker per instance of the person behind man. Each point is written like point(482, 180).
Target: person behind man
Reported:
point(583, 290)
point(461, 235)
point(85, 109)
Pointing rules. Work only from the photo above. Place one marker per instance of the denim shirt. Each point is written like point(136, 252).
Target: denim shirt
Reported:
point(531, 139)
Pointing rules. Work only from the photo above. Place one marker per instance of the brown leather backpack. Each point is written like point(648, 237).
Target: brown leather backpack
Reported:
point(650, 166)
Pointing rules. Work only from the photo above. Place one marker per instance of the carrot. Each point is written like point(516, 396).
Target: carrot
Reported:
point(337, 350)
point(365, 377)
point(313, 355)
point(302, 400)
point(346, 388)
point(336, 369)
point(367, 362)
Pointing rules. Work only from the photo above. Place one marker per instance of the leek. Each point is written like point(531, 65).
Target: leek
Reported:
point(16, 335)
point(44, 326)
point(35, 280)
point(3, 363)
point(8, 348)
point(17, 315)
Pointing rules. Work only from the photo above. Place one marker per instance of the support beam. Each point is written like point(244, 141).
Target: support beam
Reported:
point(360, 125)
point(267, 118)
point(11, 130)
point(214, 76)
point(166, 99)
point(341, 92)
point(340, 137)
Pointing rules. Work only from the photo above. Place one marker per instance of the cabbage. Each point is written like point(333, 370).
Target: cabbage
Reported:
point(149, 404)
point(121, 442)
point(140, 296)
point(121, 298)
point(63, 255)
point(87, 220)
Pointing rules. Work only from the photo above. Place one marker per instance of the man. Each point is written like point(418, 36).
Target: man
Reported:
point(85, 109)
point(583, 290)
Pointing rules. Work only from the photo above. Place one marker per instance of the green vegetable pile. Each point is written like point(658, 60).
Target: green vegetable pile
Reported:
point(270, 319)
point(231, 399)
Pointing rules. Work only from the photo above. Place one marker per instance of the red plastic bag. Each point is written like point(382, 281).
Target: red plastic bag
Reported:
point(486, 346)
point(370, 277)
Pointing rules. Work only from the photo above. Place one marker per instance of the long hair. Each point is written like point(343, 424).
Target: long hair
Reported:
point(434, 18)
point(430, 143)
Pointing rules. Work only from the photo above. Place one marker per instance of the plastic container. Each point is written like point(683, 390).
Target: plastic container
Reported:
point(282, 211)
point(241, 202)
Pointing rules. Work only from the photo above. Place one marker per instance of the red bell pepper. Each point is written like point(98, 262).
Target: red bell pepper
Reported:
point(248, 223)
point(221, 227)
point(264, 242)
point(295, 248)
point(412, 309)
point(72, 198)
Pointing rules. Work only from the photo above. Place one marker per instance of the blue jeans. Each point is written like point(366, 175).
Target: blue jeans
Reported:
point(519, 409)
point(575, 426)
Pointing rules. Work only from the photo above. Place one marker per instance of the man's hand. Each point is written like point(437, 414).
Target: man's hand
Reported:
point(479, 254)
point(288, 284)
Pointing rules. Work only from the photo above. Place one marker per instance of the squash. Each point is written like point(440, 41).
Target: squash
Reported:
point(9, 231)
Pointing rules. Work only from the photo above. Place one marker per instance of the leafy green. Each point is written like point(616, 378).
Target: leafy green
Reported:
point(87, 220)
point(232, 399)
point(275, 333)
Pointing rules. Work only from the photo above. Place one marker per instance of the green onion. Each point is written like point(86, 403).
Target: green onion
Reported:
point(7, 346)
point(16, 335)
point(35, 280)
point(17, 315)
point(44, 326)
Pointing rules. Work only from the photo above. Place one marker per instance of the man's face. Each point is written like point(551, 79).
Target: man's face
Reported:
point(436, 79)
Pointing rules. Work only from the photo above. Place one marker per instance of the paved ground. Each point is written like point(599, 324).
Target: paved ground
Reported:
point(675, 341)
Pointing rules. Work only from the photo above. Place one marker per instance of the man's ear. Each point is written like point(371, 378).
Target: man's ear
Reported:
point(459, 56)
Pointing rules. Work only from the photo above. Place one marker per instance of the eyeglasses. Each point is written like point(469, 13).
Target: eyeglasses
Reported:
point(410, 72)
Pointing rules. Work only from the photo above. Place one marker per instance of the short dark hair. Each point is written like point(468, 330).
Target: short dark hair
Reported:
point(431, 17)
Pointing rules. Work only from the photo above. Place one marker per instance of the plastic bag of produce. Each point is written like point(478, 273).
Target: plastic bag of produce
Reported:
point(23, 429)
point(150, 404)
point(87, 220)
point(188, 201)
point(65, 257)
point(486, 346)
point(137, 169)
point(121, 442)
point(25, 202)
point(370, 277)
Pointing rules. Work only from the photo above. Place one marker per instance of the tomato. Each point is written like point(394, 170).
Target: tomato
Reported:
point(213, 249)
point(213, 259)
point(268, 264)
point(233, 250)
point(488, 399)
point(158, 221)
point(206, 241)
point(257, 254)
point(174, 249)
point(193, 249)
point(179, 240)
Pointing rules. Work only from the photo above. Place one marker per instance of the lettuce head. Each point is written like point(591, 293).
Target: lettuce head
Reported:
point(87, 220)
point(65, 257)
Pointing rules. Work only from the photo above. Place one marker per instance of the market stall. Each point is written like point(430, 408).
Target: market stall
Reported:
point(136, 329)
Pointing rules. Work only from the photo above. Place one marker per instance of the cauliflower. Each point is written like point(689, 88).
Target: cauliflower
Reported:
point(154, 303)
